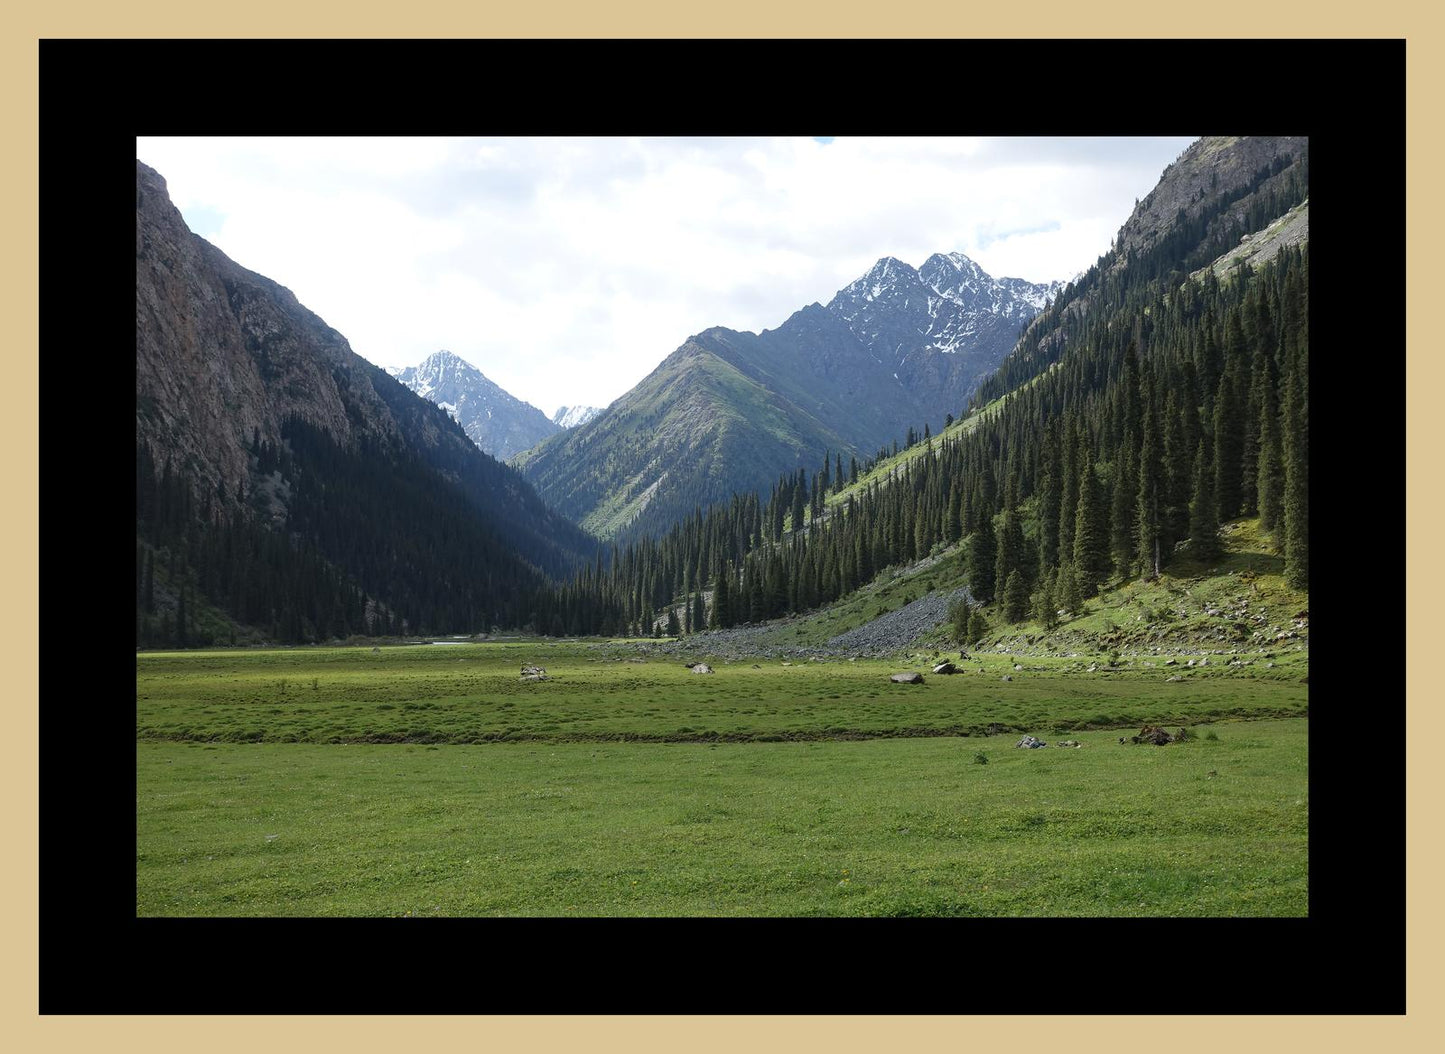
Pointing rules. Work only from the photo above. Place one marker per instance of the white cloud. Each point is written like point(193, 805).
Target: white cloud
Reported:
point(567, 269)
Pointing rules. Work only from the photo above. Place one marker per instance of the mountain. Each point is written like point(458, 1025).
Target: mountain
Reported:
point(497, 421)
point(1215, 198)
point(730, 411)
point(288, 486)
point(726, 412)
point(942, 328)
point(572, 416)
point(1150, 430)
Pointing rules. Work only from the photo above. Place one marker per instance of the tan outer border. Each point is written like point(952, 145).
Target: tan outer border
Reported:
point(1420, 1030)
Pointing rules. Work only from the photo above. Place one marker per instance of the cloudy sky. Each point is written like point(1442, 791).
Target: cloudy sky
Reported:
point(567, 269)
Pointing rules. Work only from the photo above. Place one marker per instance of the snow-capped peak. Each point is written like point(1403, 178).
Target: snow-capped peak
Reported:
point(572, 416)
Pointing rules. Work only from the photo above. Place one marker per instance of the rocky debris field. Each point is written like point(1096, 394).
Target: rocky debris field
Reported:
point(886, 635)
point(898, 629)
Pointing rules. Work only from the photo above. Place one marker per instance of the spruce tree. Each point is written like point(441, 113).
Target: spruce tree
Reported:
point(1228, 445)
point(1148, 511)
point(1178, 470)
point(1121, 508)
point(977, 625)
point(1203, 517)
point(1068, 487)
point(1045, 607)
point(953, 516)
point(1091, 541)
point(1010, 553)
point(1260, 379)
point(1296, 473)
point(1015, 598)
point(1066, 589)
point(721, 617)
point(983, 561)
point(1271, 464)
point(1050, 495)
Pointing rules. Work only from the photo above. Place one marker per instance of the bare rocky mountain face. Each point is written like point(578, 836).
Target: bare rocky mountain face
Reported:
point(225, 355)
point(1210, 166)
point(495, 420)
point(941, 329)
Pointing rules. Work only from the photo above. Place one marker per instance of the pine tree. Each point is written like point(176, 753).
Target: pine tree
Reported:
point(1148, 512)
point(1066, 589)
point(1260, 379)
point(1228, 444)
point(1015, 598)
point(978, 626)
point(953, 516)
point(983, 562)
point(1069, 488)
point(721, 617)
point(1121, 508)
point(1296, 473)
point(1044, 605)
point(1271, 463)
point(1203, 518)
point(1091, 541)
point(1010, 553)
point(1178, 470)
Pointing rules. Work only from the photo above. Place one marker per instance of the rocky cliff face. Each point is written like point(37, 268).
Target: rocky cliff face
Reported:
point(224, 356)
point(1211, 166)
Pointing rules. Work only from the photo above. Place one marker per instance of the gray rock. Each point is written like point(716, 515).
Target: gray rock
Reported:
point(1030, 743)
point(945, 668)
point(911, 677)
point(1006, 677)
point(701, 667)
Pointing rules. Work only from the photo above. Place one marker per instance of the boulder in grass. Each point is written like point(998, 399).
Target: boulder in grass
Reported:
point(944, 668)
point(701, 667)
point(1158, 736)
point(1030, 743)
point(911, 677)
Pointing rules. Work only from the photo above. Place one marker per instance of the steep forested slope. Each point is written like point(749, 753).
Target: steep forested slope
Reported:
point(1140, 413)
point(269, 459)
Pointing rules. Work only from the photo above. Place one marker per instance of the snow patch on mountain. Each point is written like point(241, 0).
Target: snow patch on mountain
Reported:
point(573, 416)
point(495, 420)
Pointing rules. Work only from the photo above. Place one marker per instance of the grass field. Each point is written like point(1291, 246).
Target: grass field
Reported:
point(429, 780)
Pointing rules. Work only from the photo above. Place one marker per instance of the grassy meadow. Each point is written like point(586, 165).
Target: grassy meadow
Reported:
point(430, 780)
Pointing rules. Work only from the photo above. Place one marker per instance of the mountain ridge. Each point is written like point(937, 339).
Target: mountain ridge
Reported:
point(888, 352)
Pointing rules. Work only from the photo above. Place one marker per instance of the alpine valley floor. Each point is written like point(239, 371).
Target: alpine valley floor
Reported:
point(431, 780)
